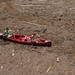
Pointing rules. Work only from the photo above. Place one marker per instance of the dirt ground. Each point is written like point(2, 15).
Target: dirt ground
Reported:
point(29, 16)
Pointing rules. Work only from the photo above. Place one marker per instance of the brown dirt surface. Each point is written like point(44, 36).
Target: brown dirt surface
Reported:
point(29, 16)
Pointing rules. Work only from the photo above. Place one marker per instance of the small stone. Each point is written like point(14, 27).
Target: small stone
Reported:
point(1, 67)
point(17, 30)
point(21, 63)
point(13, 54)
point(28, 60)
point(57, 59)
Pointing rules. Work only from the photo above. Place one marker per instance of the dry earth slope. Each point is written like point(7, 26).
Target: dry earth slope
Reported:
point(28, 16)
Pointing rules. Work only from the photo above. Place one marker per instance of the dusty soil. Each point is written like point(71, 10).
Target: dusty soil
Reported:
point(29, 16)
